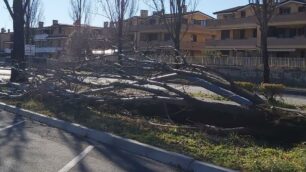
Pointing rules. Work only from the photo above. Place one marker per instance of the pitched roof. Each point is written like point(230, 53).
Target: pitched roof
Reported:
point(298, 1)
point(230, 10)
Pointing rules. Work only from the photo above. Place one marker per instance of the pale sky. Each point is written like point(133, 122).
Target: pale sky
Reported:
point(59, 10)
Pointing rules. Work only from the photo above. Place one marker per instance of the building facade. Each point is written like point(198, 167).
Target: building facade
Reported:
point(50, 41)
point(238, 33)
point(150, 33)
point(6, 42)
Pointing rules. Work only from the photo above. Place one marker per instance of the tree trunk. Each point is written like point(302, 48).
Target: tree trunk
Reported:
point(264, 43)
point(18, 58)
point(265, 56)
point(27, 32)
point(120, 30)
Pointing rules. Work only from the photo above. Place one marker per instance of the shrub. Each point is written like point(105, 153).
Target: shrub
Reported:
point(247, 85)
point(270, 91)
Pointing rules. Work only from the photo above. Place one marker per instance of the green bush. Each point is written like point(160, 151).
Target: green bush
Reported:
point(247, 85)
point(270, 91)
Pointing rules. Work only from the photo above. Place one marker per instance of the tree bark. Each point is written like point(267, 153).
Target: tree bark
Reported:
point(18, 56)
point(265, 55)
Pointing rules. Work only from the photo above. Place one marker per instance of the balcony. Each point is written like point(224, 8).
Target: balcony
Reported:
point(288, 43)
point(240, 44)
point(48, 49)
point(294, 18)
point(163, 28)
point(153, 45)
point(251, 22)
point(248, 22)
point(199, 46)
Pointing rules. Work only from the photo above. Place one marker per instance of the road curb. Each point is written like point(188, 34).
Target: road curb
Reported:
point(184, 162)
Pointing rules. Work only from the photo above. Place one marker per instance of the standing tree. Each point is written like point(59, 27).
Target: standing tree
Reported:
point(18, 59)
point(80, 11)
point(34, 14)
point(175, 20)
point(117, 11)
point(264, 11)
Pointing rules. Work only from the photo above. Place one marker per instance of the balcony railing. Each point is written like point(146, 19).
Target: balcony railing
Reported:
point(233, 44)
point(241, 22)
point(162, 27)
point(247, 62)
point(297, 42)
point(152, 45)
point(251, 21)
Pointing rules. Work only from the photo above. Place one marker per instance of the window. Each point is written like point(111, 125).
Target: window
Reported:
point(152, 21)
point(225, 34)
point(239, 34)
point(255, 33)
point(301, 31)
point(167, 37)
point(228, 16)
point(302, 9)
point(153, 37)
point(196, 22)
point(199, 22)
point(203, 23)
point(242, 14)
point(284, 11)
point(184, 21)
point(194, 38)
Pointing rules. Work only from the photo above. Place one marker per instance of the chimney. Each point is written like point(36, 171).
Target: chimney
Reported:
point(55, 22)
point(40, 24)
point(144, 13)
point(105, 24)
point(3, 30)
point(184, 8)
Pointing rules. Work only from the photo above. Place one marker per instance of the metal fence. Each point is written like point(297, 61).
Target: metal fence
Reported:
point(275, 62)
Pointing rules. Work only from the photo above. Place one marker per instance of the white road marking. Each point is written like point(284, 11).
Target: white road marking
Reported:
point(76, 160)
point(11, 126)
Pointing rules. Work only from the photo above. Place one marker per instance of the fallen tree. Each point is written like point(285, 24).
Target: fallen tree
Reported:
point(144, 85)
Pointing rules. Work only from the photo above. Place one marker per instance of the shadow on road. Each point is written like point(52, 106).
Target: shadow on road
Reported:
point(15, 139)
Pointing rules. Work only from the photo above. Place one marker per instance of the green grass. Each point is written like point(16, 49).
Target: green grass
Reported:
point(282, 104)
point(208, 96)
point(236, 152)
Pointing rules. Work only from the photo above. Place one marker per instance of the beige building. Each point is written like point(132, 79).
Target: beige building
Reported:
point(50, 41)
point(149, 33)
point(6, 42)
point(238, 33)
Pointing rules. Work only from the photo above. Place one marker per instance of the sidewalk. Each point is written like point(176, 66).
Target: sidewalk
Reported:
point(295, 91)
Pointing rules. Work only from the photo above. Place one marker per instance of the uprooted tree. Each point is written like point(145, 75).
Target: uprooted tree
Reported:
point(142, 85)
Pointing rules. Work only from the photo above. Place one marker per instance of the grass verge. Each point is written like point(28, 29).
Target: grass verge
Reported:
point(236, 152)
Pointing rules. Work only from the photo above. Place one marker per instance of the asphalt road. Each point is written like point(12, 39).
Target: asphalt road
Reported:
point(29, 146)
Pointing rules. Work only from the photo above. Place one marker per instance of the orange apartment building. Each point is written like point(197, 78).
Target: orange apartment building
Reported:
point(238, 33)
point(150, 34)
point(50, 41)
